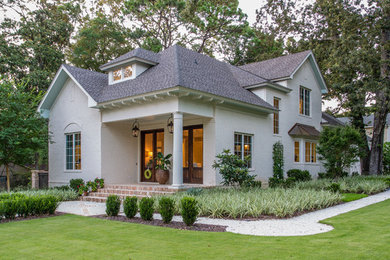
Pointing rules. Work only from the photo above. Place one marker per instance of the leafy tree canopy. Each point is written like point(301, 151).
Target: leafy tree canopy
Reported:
point(22, 131)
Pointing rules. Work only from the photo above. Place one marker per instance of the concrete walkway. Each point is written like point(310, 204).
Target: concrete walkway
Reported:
point(306, 224)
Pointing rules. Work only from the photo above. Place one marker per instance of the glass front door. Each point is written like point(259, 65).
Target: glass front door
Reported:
point(152, 142)
point(193, 154)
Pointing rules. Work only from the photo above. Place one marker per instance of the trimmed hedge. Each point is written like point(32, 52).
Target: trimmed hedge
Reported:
point(189, 210)
point(299, 175)
point(130, 206)
point(166, 208)
point(113, 205)
point(146, 208)
point(24, 206)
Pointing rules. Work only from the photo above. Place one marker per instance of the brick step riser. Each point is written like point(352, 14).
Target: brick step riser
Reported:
point(135, 193)
point(113, 191)
point(141, 188)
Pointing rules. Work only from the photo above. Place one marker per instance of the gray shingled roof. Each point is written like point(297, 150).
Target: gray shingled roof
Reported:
point(331, 120)
point(301, 130)
point(177, 67)
point(136, 53)
point(280, 67)
point(368, 120)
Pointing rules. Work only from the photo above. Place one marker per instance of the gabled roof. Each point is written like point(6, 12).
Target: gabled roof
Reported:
point(328, 119)
point(177, 67)
point(301, 130)
point(284, 67)
point(136, 54)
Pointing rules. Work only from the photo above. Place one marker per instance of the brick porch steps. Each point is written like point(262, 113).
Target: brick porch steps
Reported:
point(123, 191)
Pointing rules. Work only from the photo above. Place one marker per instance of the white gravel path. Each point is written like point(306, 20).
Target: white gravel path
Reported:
point(306, 224)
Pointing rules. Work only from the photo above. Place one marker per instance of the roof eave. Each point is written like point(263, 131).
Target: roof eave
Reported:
point(270, 85)
point(180, 91)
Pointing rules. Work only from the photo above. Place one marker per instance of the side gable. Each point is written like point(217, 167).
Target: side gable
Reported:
point(55, 88)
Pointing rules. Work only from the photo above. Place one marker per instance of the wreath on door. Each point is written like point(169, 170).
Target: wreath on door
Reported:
point(148, 174)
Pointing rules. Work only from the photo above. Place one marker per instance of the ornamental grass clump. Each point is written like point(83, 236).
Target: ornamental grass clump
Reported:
point(130, 206)
point(357, 184)
point(166, 207)
point(189, 210)
point(146, 208)
point(113, 205)
point(256, 202)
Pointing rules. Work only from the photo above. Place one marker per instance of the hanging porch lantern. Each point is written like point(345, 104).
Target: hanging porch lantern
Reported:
point(135, 130)
point(170, 124)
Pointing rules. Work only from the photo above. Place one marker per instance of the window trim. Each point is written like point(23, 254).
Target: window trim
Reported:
point(73, 170)
point(303, 113)
point(242, 135)
point(122, 69)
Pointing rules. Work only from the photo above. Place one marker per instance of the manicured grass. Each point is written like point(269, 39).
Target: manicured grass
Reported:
point(360, 234)
point(347, 197)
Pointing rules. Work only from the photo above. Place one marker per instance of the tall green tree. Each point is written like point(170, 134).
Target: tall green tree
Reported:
point(197, 24)
point(345, 37)
point(22, 131)
point(33, 43)
point(99, 41)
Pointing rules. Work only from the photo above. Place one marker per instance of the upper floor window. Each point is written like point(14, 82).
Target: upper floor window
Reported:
point(122, 73)
point(243, 147)
point(276, 115)
point(73, 151)
point(304, 101)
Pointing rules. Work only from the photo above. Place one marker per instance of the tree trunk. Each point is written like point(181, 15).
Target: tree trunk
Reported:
point(382, 97)
point(358, 123)
point(8, 178)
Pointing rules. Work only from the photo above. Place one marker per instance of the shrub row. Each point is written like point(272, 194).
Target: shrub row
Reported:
point(24, 206)
point(166, 207)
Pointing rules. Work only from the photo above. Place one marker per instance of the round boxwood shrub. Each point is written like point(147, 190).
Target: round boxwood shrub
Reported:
point(299, 175)
point(130, 206)
point(189, 210)
point(113, 204)
point(166, 208)
point(146, 208)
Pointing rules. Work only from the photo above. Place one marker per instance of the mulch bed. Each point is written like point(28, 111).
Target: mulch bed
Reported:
point(30, 217)
point(160, 223)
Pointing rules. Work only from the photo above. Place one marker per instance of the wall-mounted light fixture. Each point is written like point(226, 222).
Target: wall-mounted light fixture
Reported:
point(135, 130)
point(170, 124)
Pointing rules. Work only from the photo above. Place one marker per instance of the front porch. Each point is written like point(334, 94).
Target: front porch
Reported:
point(128, 161)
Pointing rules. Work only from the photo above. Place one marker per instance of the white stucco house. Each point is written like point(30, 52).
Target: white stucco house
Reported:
point(213, 106)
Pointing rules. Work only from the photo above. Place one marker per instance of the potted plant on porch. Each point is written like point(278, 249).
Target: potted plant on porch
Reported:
point(163, 164)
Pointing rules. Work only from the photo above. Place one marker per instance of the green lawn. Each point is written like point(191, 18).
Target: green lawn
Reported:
point(347, 197)
point(360, 234)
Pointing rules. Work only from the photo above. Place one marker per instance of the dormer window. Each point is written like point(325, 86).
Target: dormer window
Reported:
point(122, 74)
point(117, 74)
point(128, 71)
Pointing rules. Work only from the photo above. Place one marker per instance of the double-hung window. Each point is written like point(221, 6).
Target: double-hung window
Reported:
point(73, 151)
point(243, 146)
point(304, 101)
point(310, 152)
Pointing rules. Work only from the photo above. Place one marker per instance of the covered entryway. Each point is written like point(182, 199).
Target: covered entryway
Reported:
point(193, 154)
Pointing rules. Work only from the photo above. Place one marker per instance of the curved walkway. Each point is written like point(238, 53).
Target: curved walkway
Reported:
point(306, 224)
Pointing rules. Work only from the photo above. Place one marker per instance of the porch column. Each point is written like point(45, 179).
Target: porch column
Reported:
point(177, 171)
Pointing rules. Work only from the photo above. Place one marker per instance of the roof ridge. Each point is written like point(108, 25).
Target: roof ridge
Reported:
point(89, 70)
point(268, 80)
point(288, 55)
point(176, 54)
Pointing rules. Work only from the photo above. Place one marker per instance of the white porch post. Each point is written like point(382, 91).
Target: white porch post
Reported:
point(177, 171)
